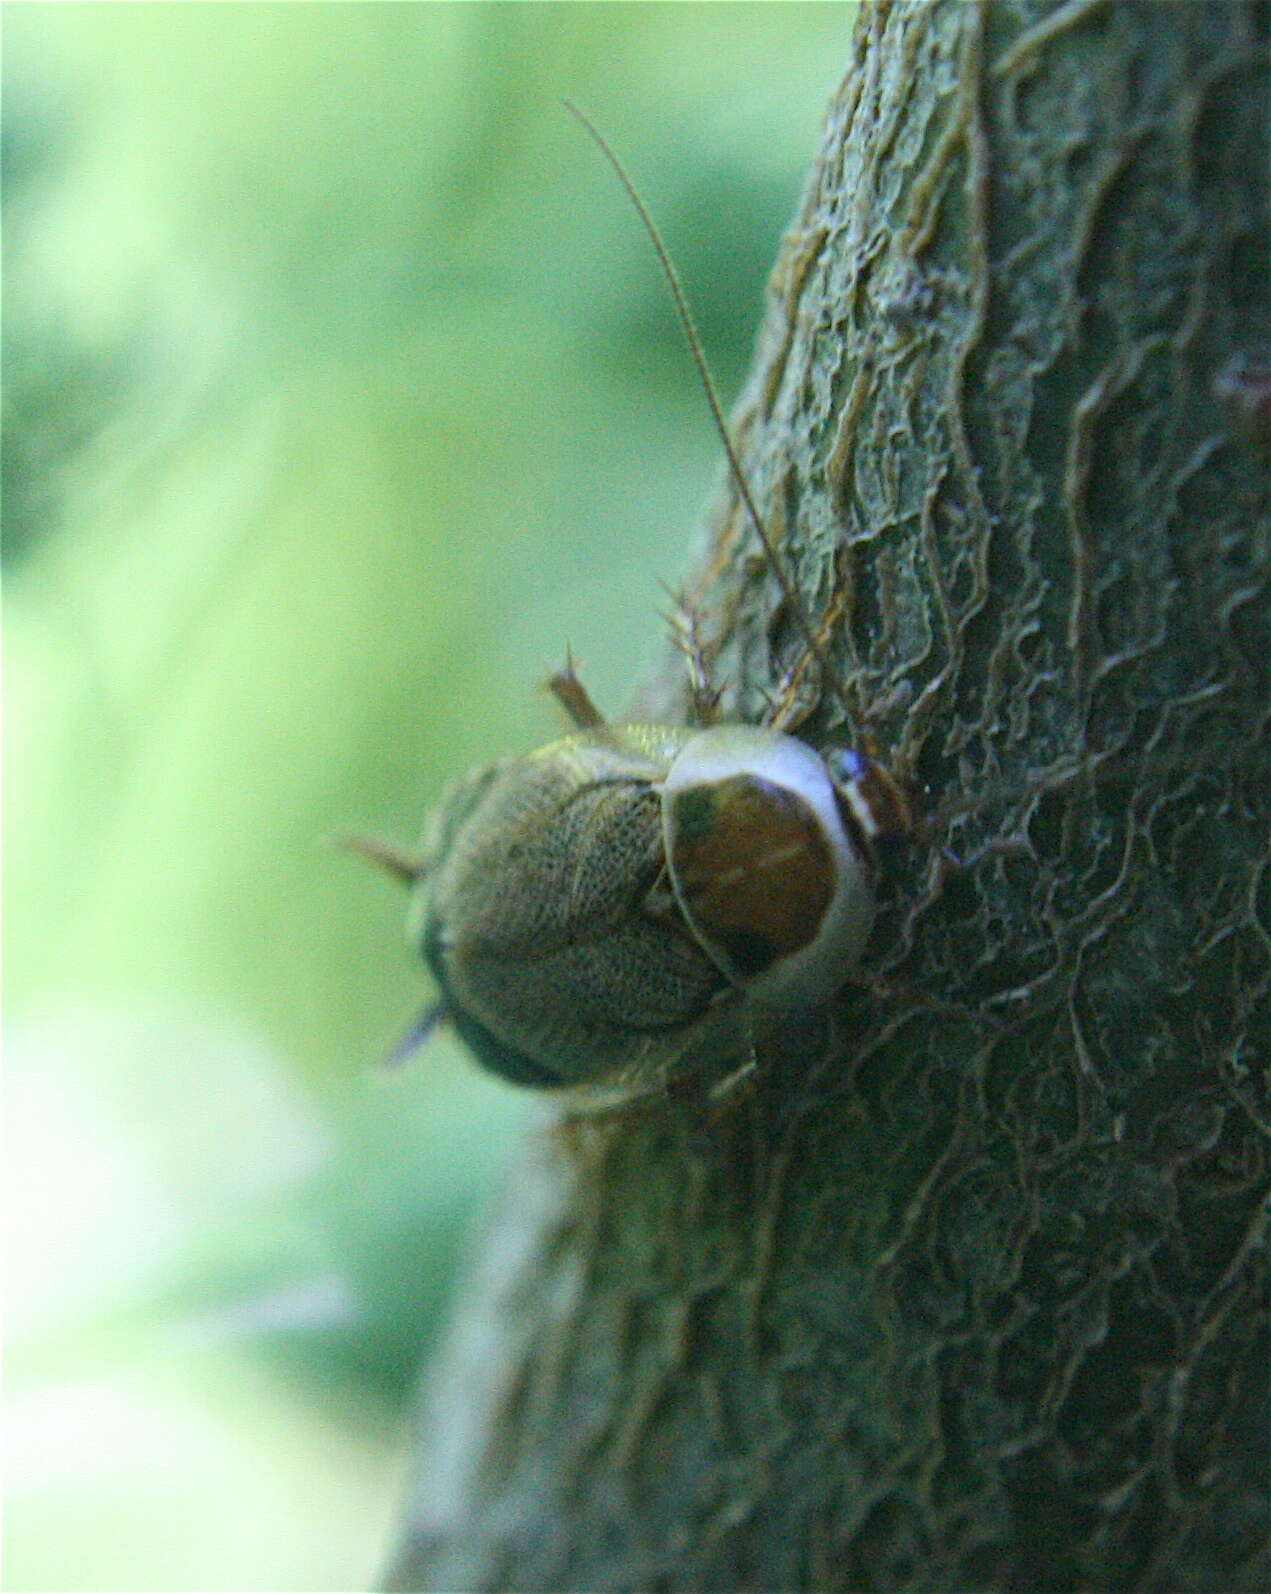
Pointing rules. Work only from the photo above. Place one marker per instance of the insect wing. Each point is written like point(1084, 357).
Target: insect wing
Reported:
point(538, 921)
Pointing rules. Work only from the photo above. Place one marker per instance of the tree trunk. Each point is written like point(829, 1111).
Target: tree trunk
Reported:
point(972, 1295)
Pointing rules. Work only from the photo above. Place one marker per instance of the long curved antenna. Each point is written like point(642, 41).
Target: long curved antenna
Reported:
point(775, 561)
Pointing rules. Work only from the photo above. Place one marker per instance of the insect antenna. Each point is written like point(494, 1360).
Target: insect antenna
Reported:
point(789, 592)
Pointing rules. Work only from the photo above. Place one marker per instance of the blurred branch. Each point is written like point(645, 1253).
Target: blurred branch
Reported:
point(978, 1299)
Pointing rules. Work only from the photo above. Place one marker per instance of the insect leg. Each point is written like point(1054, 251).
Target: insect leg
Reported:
point(685, 625)
point(404, 866)
point(574, 697)
point(416, 1036)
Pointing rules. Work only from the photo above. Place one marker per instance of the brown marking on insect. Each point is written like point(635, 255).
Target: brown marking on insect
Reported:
point(754, 868)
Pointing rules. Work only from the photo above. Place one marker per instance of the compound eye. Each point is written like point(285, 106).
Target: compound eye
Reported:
point(846, 765)
point(875, 801)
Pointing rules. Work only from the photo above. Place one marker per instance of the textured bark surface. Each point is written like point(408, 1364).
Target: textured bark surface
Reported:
point(976, 1297)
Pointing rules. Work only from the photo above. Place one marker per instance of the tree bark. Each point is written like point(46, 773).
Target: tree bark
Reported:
point(972, 1295)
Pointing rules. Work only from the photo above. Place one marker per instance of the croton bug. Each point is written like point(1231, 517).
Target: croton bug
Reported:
point(598, 910)
point(601, 911)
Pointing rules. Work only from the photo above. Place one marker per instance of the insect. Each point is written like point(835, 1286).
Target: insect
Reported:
point(617, 906)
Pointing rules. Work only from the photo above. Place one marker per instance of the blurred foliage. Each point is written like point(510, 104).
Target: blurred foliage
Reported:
point(340, 393)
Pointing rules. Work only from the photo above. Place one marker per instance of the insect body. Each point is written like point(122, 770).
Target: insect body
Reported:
point(601, 911)
point(597, 910)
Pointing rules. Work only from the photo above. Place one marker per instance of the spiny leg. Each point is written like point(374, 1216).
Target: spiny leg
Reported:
point(574, 697)
point(685, 625)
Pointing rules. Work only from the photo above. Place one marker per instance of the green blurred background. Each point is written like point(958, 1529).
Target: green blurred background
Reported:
point(340, 392)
